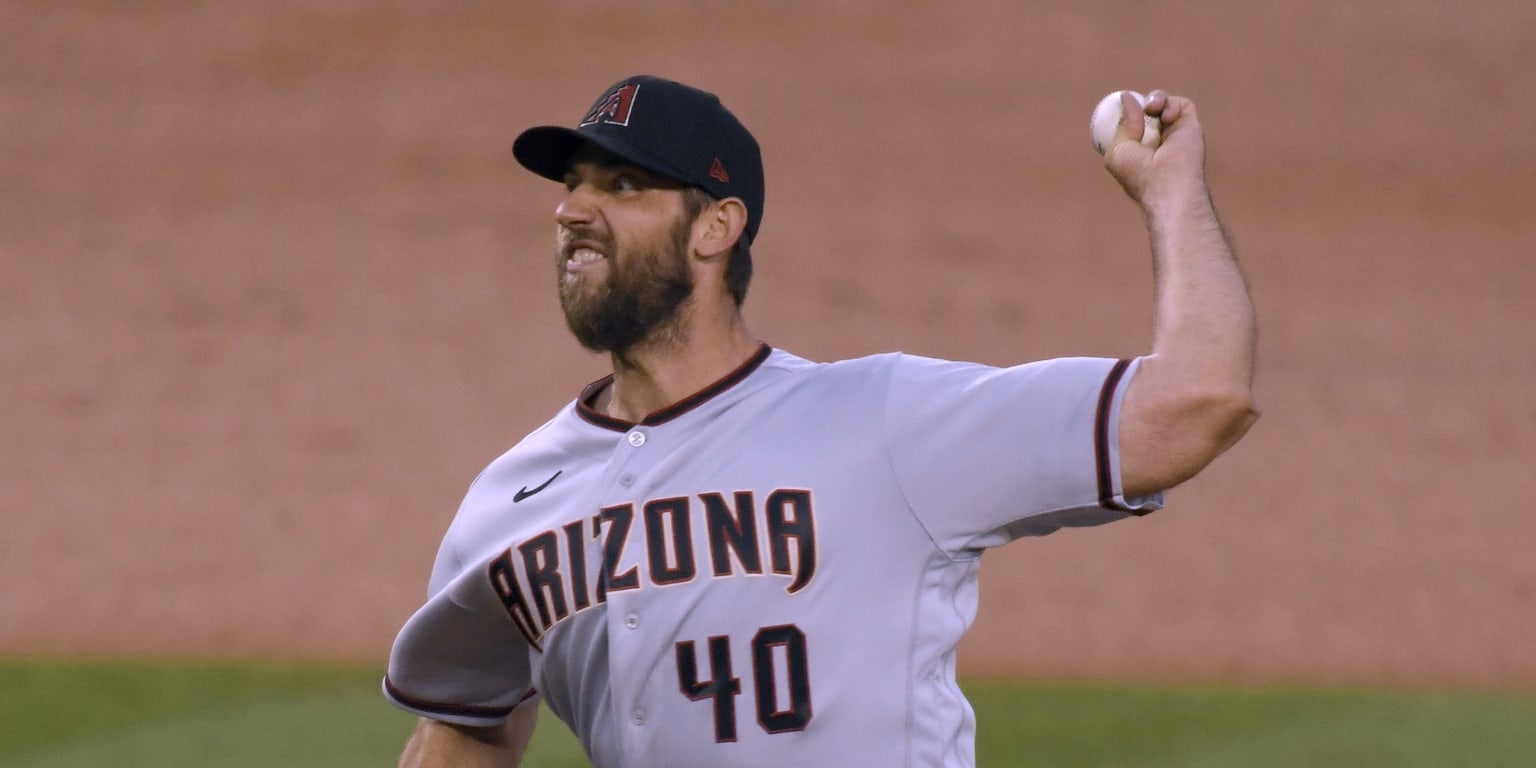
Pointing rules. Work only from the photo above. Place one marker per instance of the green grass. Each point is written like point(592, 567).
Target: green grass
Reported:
point(66, 714)
point(1088, 726)
point(59, 714)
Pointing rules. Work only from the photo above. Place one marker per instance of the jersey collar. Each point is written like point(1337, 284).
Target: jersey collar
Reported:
point(592, 416)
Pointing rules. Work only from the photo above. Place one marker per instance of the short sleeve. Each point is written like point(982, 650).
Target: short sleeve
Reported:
point(460, 658)
point(984, 455)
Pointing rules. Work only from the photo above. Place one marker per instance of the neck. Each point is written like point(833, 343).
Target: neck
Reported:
point(702, 348)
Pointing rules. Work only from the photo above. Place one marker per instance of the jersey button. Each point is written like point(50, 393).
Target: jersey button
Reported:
point(637, 438)
point(638, 717)
point(626, 480)
point(631, 621)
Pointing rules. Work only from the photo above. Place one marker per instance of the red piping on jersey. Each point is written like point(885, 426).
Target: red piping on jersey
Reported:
point(585, 410)
point(463, 710)
point(1101, 440)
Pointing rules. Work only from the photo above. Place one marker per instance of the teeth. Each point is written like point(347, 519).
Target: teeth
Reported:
point(585, 256)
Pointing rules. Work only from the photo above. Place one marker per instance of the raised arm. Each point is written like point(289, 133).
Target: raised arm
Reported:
point(1192, 397)
point(435, 744)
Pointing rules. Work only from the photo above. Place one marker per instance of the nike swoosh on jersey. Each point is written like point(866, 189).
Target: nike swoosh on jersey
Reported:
point(524, 493)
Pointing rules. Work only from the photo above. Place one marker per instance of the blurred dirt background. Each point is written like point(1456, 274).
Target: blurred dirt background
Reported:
point(273, 293)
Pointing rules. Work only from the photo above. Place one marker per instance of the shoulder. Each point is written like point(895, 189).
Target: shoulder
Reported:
point(565, 445)
point(564, 434)
point(786, 364)
point(908, 368)
point(881, 371)
point(844, 381)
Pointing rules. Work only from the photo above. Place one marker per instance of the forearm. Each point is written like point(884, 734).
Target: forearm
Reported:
point(1192, 397)
point(1204, 325)
point(436, 744)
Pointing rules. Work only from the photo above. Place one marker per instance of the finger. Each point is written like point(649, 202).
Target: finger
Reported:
point(1181, 107)
point(1157, 101)
point(1132, 126)
point(1174, 108)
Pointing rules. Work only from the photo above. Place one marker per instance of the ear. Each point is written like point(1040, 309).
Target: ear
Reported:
point(719, 227)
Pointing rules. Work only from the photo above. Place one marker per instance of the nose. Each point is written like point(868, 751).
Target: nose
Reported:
point(578, 208)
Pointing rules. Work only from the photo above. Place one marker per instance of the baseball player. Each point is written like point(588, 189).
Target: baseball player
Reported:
point(726, 555)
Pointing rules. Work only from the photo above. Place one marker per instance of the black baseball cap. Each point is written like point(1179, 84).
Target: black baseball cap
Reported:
point(665, 127)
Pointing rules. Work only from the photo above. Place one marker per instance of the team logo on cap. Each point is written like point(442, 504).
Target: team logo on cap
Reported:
point(613, 107)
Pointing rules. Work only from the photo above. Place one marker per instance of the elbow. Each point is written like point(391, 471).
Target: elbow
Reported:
point(1203, 426)
point(1167, 443)
point(1205, 408)
point(1230, 415)
point(1210, 422)
point(1173, 424)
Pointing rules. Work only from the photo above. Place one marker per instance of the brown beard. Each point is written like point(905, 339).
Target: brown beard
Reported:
point(638, 302)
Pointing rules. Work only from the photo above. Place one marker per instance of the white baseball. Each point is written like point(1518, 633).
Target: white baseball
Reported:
point(1107, 116)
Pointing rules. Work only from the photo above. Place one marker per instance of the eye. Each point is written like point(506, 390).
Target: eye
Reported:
point(624, 182)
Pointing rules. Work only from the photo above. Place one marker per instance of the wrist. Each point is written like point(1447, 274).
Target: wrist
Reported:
point(1177, 202)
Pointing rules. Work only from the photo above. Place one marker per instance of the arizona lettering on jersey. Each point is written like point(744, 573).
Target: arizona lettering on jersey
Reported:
point(544, 579)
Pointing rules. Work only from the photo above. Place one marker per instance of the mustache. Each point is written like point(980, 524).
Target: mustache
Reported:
point(569, 239)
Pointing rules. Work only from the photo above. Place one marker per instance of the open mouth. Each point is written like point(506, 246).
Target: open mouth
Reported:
point(581, 253)
point(580, 258)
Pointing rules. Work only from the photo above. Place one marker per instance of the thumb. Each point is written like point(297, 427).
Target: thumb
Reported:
point(1133, 118)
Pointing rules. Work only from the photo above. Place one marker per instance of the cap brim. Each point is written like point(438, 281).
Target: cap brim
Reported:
point(547, 151)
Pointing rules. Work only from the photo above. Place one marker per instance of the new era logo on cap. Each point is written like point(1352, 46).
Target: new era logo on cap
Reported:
point(671, 129)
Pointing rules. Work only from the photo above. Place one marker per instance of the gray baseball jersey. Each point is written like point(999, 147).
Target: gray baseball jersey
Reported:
point(775, 571)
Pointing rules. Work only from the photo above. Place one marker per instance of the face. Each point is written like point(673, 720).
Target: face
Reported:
point(623, 254)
